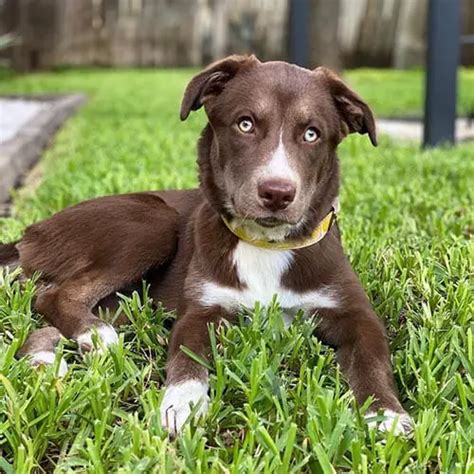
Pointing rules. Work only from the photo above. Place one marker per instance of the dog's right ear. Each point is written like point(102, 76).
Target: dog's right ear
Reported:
point(212, 81)
point(355, 113)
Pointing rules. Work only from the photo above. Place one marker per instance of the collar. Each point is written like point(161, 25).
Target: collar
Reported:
point(291, 244)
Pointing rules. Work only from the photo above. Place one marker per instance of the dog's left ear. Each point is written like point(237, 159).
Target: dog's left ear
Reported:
point(355, 113)
point(212, 81)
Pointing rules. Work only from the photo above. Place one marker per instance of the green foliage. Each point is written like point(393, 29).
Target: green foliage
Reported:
point(399, 93)
point(279, 403)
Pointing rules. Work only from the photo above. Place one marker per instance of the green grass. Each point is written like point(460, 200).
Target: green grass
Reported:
point(279, 402)
point(401, 93)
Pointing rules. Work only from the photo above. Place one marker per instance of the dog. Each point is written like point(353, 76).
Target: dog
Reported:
point(261, 223)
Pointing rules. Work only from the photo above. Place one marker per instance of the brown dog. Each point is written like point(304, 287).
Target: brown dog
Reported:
point(261, 223)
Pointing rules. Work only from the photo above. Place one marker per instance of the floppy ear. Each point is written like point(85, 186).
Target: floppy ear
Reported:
point(212, 81)
point(355, 113)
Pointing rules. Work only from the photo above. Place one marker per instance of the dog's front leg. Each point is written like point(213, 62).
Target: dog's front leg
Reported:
point(187, 380)
point(363, 354)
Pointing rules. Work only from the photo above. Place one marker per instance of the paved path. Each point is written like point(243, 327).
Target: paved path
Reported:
point(26, 128)
point(412, 130)
point(16, 113)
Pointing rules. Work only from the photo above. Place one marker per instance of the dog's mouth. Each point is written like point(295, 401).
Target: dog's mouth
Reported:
point(270, 222)
point(270, 227)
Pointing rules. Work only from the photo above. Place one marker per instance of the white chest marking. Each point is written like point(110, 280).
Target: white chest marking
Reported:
point(260, 270)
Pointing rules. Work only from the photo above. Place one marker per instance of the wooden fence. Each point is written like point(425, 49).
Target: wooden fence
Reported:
point(192, 32)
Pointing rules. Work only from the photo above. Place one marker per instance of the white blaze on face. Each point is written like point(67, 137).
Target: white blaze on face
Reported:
point(278, 167)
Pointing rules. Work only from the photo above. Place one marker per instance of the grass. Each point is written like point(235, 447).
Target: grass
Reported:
point(398, 93)
point(279, 403)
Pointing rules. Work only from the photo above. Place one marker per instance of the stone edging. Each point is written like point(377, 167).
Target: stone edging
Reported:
point(20, 153)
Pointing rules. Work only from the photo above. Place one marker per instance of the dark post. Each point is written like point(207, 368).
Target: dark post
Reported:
point(299, 32)
point(444, 25)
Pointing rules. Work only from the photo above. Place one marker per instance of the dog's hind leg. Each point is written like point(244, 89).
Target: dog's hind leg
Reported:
point(70, 305)
point(87, 252)
point(40, 348)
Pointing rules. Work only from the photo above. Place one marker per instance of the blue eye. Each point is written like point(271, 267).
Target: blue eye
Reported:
point(310, 135)
point(245, 124)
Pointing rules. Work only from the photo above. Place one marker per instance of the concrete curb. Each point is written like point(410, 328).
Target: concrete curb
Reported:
point(20, 153)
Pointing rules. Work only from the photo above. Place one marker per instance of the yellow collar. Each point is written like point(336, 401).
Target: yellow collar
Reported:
point(318, 233)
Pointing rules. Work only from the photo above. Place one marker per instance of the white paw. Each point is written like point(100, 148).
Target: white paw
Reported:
point(105, 334)
point(47, 358)
point(179, 401)
point(389, 420)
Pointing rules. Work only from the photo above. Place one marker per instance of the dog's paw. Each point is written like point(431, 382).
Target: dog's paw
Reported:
point(45, 358)
point(389, 420)
point(104, 334)
point(178, 403)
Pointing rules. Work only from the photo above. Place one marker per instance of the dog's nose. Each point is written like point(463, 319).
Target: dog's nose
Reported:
point(276, 194)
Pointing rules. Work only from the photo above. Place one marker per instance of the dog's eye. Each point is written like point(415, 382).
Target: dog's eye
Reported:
point(245, 124)
point(311, 135)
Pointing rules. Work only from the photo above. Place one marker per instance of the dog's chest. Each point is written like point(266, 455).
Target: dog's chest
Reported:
point(260, 272)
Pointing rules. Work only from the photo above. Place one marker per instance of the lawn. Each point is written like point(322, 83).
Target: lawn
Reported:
point(400, 93)
point(279, 402)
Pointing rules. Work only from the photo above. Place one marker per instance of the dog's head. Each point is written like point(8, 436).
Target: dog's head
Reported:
point(268, 155)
